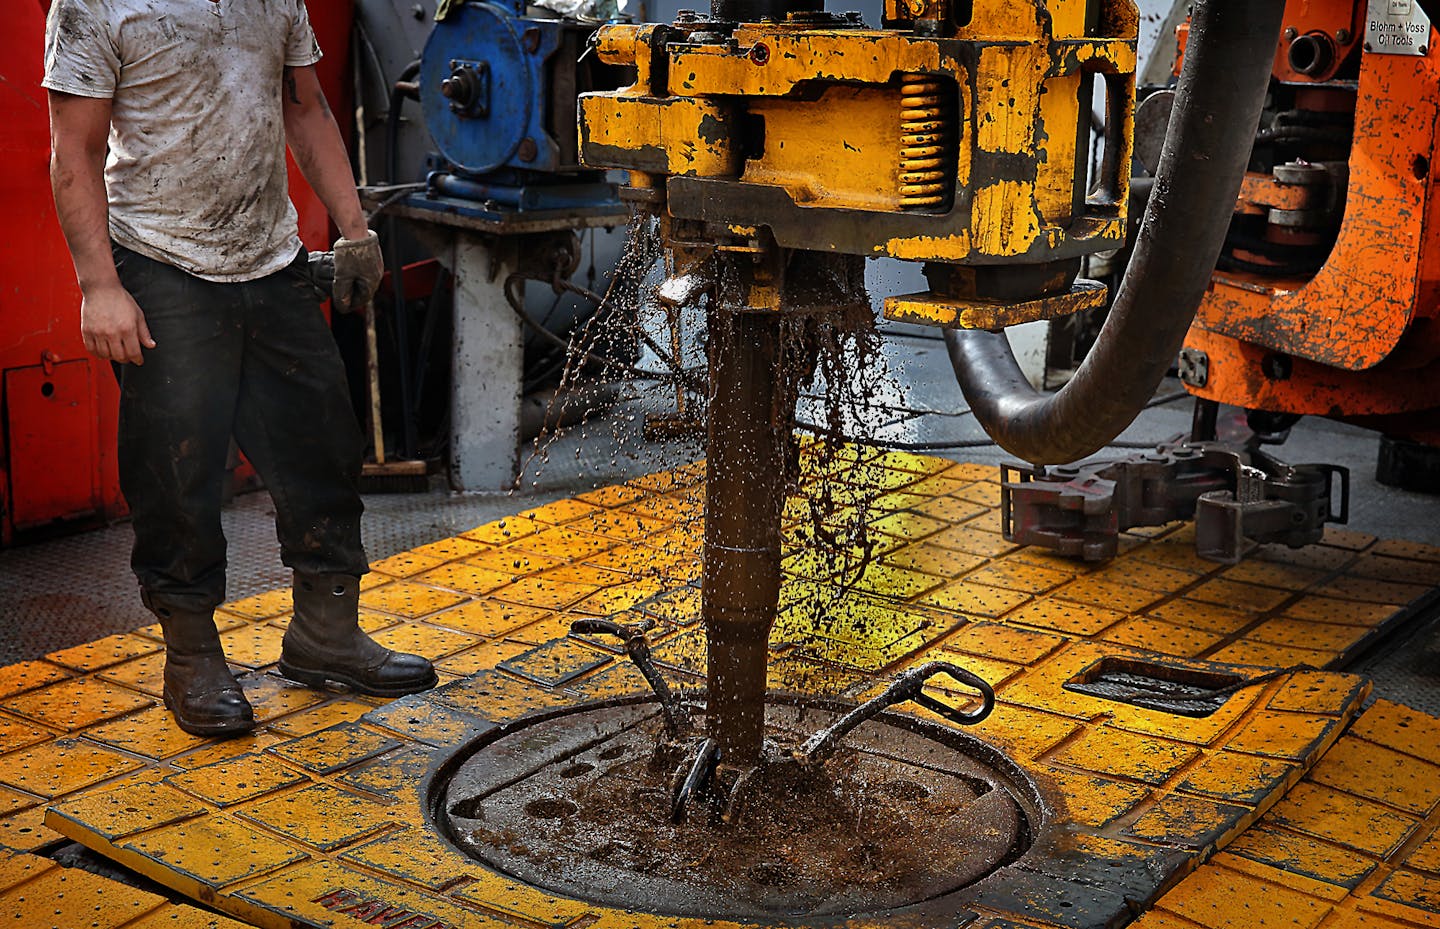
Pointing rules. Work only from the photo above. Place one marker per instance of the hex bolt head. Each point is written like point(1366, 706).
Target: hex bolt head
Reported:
point(1194, 367)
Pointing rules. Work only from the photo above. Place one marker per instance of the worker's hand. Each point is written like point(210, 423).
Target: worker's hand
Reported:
point(113, 327)
point(358, 269)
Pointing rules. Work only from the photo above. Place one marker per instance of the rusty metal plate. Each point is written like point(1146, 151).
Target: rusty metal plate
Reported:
point(928, 309)
point(579, 804)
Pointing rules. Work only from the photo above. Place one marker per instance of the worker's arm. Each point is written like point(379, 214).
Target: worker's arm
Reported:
point(111, 323)
point(315, 142)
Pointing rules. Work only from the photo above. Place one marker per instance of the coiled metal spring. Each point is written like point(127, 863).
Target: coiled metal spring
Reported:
point(924, 132)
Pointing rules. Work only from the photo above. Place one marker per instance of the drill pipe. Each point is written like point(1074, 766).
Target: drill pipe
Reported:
point(751, 409)
point(1212, 130)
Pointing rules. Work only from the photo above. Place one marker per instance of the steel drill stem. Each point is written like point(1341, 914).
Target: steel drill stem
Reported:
point(750, 413)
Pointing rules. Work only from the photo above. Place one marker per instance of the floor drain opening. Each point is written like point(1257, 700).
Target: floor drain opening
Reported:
point(1180, 691)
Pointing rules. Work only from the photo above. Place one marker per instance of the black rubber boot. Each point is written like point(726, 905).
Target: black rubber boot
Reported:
point(200, 690)
point(325, 645)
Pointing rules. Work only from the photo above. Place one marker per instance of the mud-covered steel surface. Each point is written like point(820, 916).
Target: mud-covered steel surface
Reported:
point(751, 409)
point(1218, 102)
point(579, 804)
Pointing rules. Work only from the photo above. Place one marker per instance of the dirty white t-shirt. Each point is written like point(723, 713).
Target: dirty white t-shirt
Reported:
point(196, 173)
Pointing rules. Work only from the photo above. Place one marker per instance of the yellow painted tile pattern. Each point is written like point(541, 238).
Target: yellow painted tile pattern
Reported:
point(37, 892)
point(86, 721)
point(1355, 844)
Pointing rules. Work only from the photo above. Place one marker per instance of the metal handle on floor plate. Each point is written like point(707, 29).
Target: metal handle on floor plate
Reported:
point(909, 686)
point(677, 719)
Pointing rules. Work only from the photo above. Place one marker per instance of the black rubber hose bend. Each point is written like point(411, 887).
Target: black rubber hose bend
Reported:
point(1212, 130)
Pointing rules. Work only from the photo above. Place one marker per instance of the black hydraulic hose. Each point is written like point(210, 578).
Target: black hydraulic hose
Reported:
point(403, 89)
point(1212, 130)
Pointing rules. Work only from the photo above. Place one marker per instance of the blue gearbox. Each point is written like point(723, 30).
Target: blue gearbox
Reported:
point(499, 89)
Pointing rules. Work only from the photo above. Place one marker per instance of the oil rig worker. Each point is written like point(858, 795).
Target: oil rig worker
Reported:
point(196, 287)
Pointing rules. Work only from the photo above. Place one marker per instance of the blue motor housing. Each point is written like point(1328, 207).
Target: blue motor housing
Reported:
point(499, 90)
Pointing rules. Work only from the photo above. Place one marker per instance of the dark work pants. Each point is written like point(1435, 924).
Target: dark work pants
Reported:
point(254, 360)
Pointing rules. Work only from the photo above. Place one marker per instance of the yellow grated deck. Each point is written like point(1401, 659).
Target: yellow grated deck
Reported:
point(315, 816)
point(1355, 844)
point(36, 891)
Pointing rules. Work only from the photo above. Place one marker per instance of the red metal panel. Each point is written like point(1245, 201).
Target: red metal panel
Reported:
point(1354, 312)
point(1338, 25)
point(39, 301)
point(332, 21)
point(51, 436)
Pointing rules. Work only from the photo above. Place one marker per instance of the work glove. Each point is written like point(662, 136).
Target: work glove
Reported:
point(321, 274)
point(358, 270)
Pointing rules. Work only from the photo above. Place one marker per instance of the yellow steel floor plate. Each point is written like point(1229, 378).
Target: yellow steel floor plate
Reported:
point(38, 892)
point(1355, 844)
point(315, 818)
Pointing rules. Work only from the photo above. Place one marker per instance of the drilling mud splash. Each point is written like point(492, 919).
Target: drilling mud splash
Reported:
point(899, 816)
point(594, 807)
point(833, 489)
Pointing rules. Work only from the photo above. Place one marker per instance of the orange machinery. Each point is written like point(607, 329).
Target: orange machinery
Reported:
point(1325, 298)
point(1322, 302)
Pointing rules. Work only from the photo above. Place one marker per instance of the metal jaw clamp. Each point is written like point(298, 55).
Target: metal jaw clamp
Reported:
point(907, 688)
point(678, 723)
point(1238, 498)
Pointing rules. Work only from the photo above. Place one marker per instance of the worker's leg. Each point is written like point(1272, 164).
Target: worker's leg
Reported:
point(174, 435)
point(295, 422)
